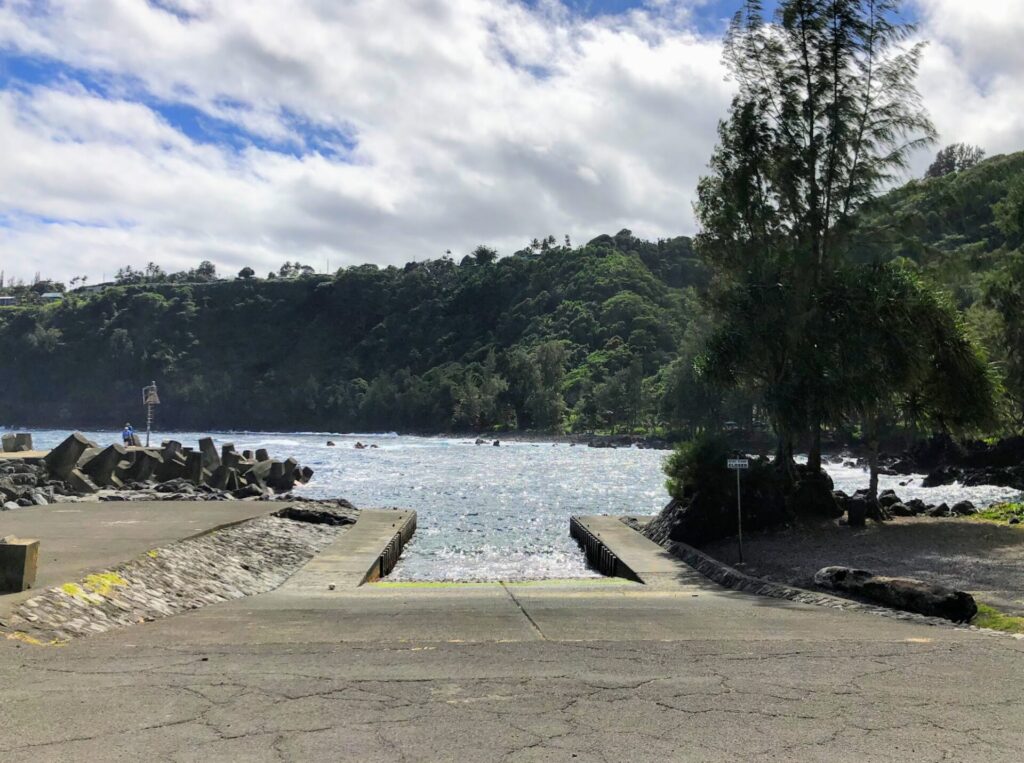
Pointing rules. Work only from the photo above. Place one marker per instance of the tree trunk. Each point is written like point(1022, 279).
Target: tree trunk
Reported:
point(814, 457)
point(873, 465)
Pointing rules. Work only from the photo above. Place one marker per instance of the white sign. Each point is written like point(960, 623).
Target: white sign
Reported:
point(738, 463)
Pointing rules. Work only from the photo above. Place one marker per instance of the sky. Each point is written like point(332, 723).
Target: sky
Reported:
point(342, 132)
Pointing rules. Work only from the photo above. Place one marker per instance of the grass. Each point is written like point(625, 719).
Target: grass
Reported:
point(1002, 512)
point(990, 617)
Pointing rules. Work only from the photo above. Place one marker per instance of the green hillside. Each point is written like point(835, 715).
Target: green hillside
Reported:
point(548, 337)
point(966, 231)
point(598, 337)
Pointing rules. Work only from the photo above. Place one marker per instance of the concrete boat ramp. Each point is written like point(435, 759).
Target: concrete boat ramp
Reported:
point(329, 667)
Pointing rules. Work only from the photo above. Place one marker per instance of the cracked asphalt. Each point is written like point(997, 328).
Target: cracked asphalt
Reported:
point(573, 671)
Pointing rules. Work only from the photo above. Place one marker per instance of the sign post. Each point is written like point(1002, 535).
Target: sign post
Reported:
point(738, 465)
point(149, 399)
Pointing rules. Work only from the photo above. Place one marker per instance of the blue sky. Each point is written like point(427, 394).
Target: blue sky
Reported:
point(365, 131)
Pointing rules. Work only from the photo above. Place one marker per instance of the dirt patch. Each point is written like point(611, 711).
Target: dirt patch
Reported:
point(980, 557)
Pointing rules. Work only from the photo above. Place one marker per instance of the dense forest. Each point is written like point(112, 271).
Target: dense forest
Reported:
point(550, 337)
point(601, 337)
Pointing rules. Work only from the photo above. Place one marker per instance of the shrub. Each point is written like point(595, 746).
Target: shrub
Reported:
point(700, 461)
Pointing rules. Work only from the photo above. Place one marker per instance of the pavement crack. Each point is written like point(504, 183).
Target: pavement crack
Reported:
point(525, 613)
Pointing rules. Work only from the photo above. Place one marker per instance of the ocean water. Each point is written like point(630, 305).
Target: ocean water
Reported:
point(487, 513)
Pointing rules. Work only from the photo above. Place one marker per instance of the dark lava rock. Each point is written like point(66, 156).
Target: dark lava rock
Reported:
point(916, 506)
point(962, 509)
point(943, 475)
point(888, 498)
point(318, 515)
point(901, 510)
point(942, 510)
point(907, 594)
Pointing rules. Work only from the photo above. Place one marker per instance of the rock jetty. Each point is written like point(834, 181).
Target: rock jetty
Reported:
point(79, 467)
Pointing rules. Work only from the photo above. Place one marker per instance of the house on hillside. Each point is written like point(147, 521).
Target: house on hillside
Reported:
point(8, 301)
point(52, 296)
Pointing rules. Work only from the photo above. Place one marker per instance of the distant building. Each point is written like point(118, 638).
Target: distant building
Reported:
point(52, 296)
point(8, 301)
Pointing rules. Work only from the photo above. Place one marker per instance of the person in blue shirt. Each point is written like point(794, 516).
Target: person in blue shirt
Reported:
point(128, 434)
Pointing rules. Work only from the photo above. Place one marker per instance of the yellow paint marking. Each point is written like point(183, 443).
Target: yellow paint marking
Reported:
point(918, 640)
point(27, 639)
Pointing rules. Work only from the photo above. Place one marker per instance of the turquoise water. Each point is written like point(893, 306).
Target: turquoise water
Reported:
point(487, 513)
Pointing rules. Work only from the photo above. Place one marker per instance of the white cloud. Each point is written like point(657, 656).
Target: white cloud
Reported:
point(474, 120)
point(971, 72)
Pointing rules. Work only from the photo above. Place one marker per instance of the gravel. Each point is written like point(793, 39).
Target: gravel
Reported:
point(982, 558)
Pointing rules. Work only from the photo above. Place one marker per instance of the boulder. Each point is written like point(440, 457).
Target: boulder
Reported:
point(943, 475)
point(62, 459)
point(10, 505)
point(901, 510)
point(962, 509)
point(887, 498)
point(907, 594)
point(916, 506)
point(100, 468)
point(942, 510)
point(812, 496)
point(211, 457)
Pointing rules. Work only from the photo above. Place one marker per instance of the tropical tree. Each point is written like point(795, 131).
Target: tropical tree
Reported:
point(954, 158)
point(826, 112)
point(899, 351)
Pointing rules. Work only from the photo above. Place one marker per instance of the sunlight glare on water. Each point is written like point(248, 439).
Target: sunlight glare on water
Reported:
point(487, 513)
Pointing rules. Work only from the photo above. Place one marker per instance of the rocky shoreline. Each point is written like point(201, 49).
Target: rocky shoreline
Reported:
point(944, 461)
point(80, 469)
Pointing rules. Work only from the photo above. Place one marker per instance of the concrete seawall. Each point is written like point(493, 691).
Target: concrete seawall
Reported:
point(367, 552)
point(617, 550)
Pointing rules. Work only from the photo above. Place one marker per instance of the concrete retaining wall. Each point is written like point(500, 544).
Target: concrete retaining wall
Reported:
point(599, 556)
